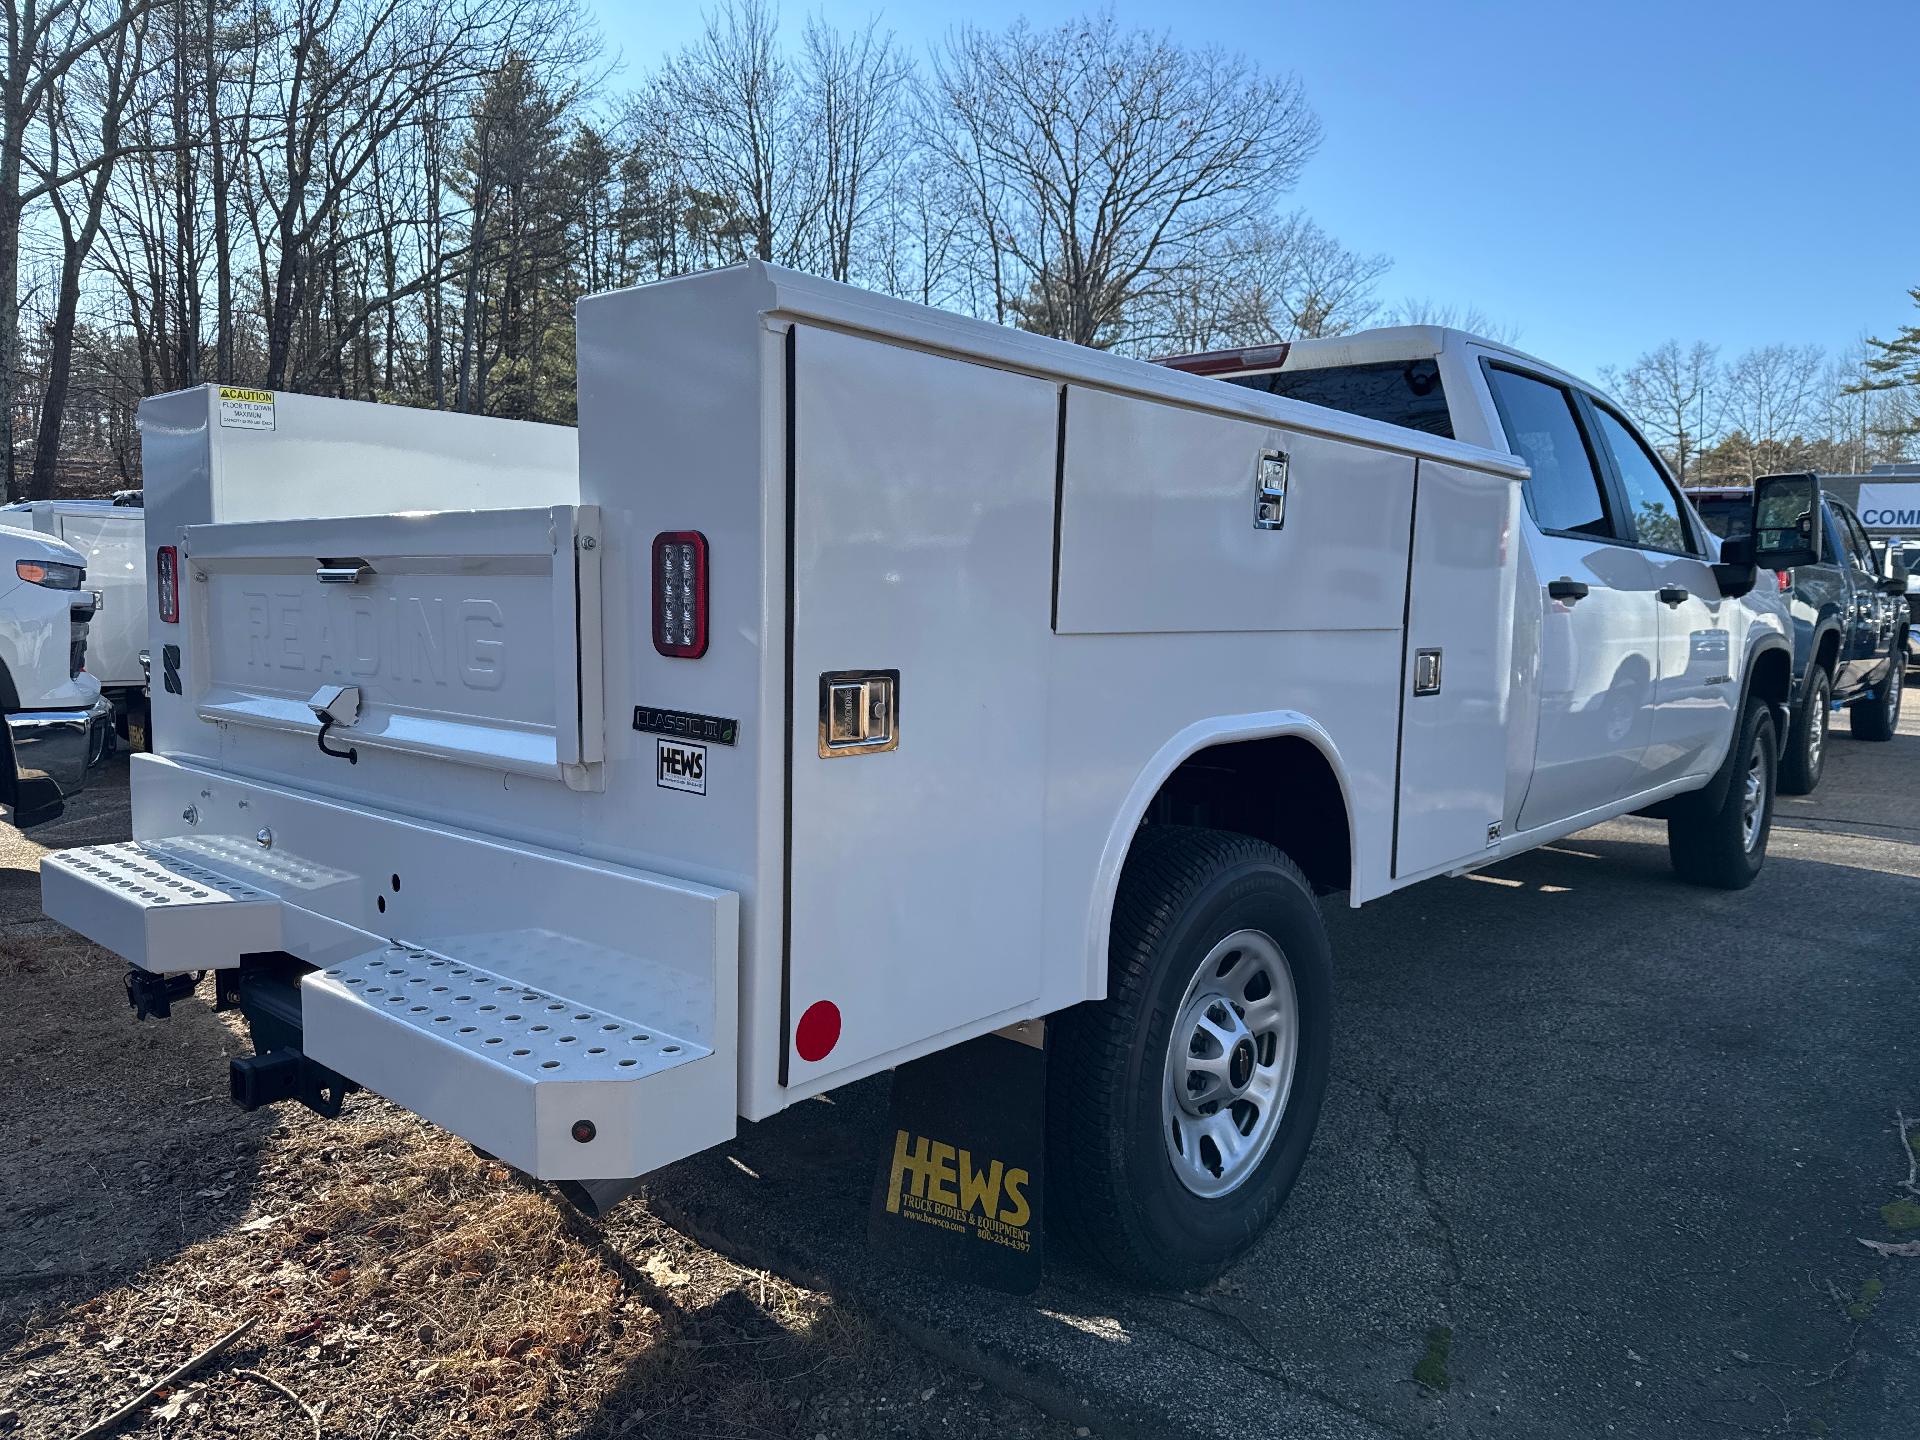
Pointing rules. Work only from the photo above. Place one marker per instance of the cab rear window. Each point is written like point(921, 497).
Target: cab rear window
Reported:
point(1400, 392)
point(1729, 519)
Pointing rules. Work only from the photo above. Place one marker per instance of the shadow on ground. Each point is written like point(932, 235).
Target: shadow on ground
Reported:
point(1614, 1136)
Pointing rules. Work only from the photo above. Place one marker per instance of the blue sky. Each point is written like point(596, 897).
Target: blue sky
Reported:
point(1600, 177)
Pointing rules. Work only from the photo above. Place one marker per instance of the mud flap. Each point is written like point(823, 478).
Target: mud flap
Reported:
point(959, 1187)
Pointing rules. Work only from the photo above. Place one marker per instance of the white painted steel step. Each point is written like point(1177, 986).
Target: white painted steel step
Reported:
point(519, 1069)
point(159, 905)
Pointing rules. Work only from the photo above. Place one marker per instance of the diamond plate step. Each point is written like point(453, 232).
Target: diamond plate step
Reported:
point(518, 1069)
point(158, 906)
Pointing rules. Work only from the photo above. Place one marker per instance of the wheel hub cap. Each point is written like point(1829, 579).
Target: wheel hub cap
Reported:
point(1230, 1062)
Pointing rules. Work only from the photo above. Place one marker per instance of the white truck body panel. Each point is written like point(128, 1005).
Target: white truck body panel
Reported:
point(1054, 548)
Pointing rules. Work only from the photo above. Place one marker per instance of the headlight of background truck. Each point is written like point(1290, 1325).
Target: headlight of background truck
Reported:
point(50, 573)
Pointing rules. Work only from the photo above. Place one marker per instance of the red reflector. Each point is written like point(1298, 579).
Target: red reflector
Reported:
point(680, 594)
point(818, 1031)
point(166, 576)
point(1786, 580)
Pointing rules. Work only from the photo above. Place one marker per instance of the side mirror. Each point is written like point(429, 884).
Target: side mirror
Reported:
point(1897, 583)
point(1735, 572)
point(1786, 521)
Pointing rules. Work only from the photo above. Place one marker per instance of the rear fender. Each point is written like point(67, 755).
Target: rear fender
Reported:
point(1202, 735)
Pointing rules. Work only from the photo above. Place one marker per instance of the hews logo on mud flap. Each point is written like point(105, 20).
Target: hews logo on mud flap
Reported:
point(682, 767)
point(938, 1184)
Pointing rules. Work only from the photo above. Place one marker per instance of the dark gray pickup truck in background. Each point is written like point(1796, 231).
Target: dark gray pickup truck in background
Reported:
point(1850, 628)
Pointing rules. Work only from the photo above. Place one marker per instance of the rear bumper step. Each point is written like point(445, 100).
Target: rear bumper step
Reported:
point(159, 906)
point(572, 1017)
point(547, 1083)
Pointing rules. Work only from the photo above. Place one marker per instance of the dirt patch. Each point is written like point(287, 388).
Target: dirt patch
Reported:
point(401, 1285)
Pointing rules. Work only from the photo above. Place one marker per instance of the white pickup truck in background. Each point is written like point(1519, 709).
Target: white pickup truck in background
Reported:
point(111, 539)
point(877, 679)
point(57, 726)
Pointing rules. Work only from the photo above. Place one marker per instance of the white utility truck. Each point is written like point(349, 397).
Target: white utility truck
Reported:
point(879, 679)
point(54, 726)
point(111, 539)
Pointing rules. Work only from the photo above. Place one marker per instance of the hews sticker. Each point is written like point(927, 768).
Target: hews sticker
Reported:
point(246, 409)
point(682, 767)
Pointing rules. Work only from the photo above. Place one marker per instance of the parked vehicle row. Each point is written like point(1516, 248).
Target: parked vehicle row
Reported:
point(876, 679)
point(1851, 628)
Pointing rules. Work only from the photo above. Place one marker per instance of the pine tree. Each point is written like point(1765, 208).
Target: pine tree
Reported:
point(1895, 365)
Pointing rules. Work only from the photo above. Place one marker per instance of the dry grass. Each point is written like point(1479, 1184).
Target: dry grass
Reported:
point(403, 1285)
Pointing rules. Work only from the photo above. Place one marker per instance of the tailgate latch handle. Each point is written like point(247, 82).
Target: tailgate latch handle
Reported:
point(336, 705)
point(349, 570)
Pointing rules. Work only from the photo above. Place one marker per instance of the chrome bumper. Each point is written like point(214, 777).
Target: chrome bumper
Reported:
point(52, 752)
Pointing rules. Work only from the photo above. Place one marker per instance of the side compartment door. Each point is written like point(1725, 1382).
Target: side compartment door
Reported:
point(1598, 630)
point(1455, 692)
point(1694, 686)
point(922, 560)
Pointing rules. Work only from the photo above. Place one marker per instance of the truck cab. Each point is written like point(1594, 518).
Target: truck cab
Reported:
point(1850, 631)
point(1643, 658)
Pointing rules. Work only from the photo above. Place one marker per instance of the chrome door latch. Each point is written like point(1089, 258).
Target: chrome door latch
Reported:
point(1270, 491)
point(1426, 672)
point(859, 712)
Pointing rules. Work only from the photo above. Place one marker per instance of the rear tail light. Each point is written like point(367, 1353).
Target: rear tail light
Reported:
point(680, 594)
point(1786, 580)
point(166, 578)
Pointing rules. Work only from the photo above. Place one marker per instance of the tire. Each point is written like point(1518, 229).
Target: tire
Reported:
point(1805, 755)
point(1878, 716)
point(1201, 916)
point(1724, 847)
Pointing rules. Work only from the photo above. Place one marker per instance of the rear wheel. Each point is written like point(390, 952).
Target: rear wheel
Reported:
point(1878, 716)
point(1725, 846)
point(1806, 748)
point(1181, 1106)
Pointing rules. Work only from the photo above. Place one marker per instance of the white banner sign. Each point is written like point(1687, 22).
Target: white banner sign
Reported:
point(1890, 507)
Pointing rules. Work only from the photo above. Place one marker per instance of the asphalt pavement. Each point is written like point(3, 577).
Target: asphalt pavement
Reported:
point(1598, 1154)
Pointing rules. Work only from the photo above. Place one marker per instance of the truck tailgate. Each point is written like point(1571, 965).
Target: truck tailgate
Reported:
point(474, 637)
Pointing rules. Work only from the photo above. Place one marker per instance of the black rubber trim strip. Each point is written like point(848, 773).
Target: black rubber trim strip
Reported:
point(1059, 505)
point(786, 745)
point(1406, 681)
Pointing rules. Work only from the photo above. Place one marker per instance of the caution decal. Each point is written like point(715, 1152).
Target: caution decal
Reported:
point(246, 409)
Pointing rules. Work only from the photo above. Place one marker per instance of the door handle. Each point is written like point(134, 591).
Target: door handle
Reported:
point(1567, 588)
point(1672, 594)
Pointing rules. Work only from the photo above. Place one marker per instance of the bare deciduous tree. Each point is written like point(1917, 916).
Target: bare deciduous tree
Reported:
point(1675, 395)
point(43, 44)
point(1104, 162)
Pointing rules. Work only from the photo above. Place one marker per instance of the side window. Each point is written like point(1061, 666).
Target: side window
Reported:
point(1839, 543)
point(1564, 490)
point(1857, 542)
point(1658, 522)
